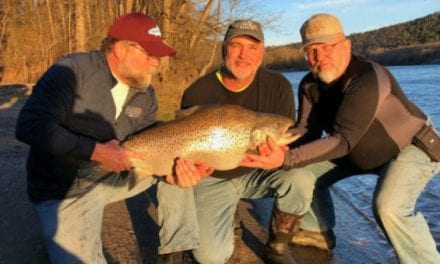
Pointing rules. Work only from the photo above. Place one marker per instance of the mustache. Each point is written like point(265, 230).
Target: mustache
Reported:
point(244, 61)
point(317, 66)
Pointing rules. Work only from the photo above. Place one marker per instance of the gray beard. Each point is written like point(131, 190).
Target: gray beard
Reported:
point(233, 73)
point(324, 76)
point(137, 83)
point(136, 80)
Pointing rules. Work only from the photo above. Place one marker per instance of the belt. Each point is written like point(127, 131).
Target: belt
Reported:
point(428, 140)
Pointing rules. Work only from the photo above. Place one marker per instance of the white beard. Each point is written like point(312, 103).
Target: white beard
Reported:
point(240, 75)
point(326, 76)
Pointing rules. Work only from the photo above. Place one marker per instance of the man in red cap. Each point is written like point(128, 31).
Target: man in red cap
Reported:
point(79, 111)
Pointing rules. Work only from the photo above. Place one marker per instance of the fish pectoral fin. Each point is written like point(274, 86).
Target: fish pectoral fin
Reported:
point(252, 151)
point(257, 137)
point(133, 181)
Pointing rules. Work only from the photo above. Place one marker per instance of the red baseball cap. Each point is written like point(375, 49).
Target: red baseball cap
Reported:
point(143, 30)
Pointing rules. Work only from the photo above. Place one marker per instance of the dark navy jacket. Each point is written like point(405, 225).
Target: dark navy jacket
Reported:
point(70, 109)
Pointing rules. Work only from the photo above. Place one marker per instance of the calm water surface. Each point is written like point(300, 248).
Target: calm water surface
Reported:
point(358, 228)
point(420, 83)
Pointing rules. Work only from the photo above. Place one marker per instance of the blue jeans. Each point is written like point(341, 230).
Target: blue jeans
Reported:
point(399, 185)
point(72, 227)
point(217, 200)
point(177, 217)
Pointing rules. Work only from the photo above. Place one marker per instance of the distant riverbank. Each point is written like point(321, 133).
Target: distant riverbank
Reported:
point(289, 57)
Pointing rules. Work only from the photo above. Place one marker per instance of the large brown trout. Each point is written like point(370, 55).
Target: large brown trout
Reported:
point(217, 135)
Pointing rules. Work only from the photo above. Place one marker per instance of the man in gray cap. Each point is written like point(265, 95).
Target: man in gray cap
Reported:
point(370, 127)
point(241, 80)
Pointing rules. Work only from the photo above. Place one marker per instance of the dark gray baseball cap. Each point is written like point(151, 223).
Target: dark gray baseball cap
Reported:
point(244, 27)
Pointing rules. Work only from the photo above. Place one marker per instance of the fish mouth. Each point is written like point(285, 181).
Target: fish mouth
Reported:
point(288, 137)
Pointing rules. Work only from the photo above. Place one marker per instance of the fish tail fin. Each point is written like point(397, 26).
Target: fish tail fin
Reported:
point(91, 170)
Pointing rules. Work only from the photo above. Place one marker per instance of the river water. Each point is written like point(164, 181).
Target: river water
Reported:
point(421, 83)
point(355, 226)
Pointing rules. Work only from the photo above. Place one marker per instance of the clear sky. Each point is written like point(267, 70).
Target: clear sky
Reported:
point(355, 15)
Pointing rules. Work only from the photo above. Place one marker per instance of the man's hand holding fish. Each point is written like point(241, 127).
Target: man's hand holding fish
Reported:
point(270, 156)
point(188, 173)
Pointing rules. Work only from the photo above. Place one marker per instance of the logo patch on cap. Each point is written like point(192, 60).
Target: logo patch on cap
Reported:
point(133, 112)
point(314, 27)
point(321, 28)
point(246, 25)
point(155, 31)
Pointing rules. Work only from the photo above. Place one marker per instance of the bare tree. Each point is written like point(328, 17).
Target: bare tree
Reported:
point(80, 26)
point(4, 20)
point(43, 48)
point(51, 22)
point(216, 43)
point(165, 29)
point(200, 23)
point(129, 6)
point(63, 28)
point(69, 28)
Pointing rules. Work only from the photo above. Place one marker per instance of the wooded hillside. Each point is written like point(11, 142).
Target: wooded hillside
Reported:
point(416, 32)
point(413, 42)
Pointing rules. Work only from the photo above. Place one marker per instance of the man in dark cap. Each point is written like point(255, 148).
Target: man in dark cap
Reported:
point(79, 111)
point(242, 80)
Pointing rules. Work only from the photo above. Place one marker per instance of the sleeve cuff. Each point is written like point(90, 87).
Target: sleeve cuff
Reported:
point(286, 165)
point(84, 148)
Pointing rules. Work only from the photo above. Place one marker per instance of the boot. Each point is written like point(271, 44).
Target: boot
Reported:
point(181, 257)
point(238, 230)
point(322, 240)
point(281, 230)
